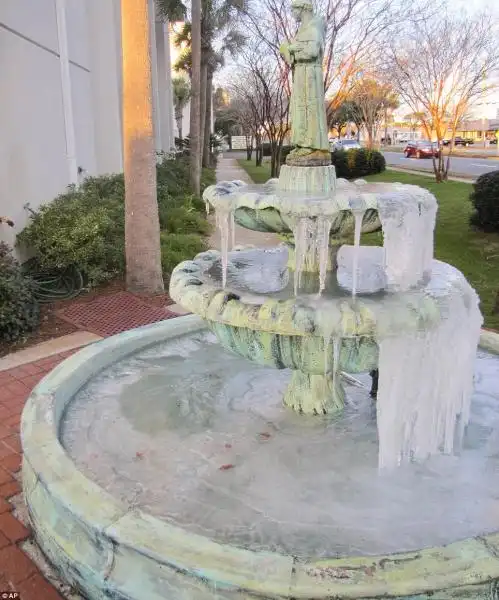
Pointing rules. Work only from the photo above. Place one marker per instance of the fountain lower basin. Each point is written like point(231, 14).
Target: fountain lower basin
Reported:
point(115, 542)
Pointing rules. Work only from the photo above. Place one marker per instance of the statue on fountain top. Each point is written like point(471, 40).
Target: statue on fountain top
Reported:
point(309, 132)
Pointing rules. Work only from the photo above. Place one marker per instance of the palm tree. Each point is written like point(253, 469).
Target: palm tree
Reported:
point(181, 95)
point(195, 120)
point(173, 10)
point(218, 24)
point(232, 42)
point(142, 243)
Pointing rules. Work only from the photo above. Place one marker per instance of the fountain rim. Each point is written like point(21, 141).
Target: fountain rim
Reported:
point(57, 492)
point(191, 289)
point(237, 194)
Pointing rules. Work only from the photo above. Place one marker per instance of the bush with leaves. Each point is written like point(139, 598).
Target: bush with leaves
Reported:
point(485, 200)
point(177, 247)
point(85, 226)
point(19, 312)
point(285, 150)
point(355, 163)
point(81, 228)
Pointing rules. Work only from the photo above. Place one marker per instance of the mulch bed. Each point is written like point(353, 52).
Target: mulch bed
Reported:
point(53, 326)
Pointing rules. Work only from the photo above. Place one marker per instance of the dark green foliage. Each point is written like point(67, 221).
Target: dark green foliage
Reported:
point(182, 220)
point(485, 200)
point(285, 150)
point(284, 153)
point(85, 227)
point(355, 163)
point(80, 228)
point(19, 312)
point(177, 247)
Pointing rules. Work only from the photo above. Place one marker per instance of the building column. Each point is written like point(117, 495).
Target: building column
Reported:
point(156, 104)
point(165, 85)
point(67, 98)
point(106, 64)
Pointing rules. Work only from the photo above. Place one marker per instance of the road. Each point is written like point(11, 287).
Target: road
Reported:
point(471, 167)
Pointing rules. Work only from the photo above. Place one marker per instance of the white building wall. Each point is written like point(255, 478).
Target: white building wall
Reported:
point(33, 161)
point(32, 141)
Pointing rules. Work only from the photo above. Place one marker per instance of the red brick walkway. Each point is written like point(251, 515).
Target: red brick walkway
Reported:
point(17, 572)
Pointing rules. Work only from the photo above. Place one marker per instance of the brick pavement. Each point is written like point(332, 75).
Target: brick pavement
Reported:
point(18, 573)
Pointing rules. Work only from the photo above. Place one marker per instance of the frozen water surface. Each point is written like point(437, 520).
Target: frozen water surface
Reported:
point(198, 437)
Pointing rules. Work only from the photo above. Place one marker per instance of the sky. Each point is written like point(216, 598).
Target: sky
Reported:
point(488, 107)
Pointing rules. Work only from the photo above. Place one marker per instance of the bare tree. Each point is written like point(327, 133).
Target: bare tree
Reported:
point(440, 68)
point(249, 113)
point(357, 32)
point(267, 84)
point(372, 100)
point(142, 242)
point(241, 116)
point(414, 120)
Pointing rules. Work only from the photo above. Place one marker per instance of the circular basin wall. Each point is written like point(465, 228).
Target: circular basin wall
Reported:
point(109, 548)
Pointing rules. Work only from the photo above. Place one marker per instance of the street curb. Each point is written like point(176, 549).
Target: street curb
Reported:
point(454, 154)
point(456, 177)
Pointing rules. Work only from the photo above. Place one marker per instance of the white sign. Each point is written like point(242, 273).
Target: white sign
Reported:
point(238, 142)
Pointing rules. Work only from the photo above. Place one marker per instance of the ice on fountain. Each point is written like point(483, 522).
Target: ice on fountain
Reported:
point(223, 222)
point(358, 215)
point(426, 382)
point(323, 230)
point(371, 276)
point(311, 237)
point(407, 217)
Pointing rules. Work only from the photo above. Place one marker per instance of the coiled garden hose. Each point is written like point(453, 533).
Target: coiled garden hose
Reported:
point(54, 285)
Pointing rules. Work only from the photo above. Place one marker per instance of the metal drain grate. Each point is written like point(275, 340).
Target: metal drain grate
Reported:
point(112, 314)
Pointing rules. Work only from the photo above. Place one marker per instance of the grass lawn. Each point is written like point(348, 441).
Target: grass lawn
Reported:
point(474, 253)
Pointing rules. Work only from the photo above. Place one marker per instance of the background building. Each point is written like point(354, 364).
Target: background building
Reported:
point(60, 100)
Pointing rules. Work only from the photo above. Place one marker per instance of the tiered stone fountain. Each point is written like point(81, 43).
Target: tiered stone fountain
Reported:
point(159, 465)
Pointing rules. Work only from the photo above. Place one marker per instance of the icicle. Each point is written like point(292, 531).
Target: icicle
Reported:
point(359, 217)
point(222, 218)
point(301, 235)
point(323, 231)
point(232, 231)
point(327, 341)
point(336, 359)
point(425, 383)
point(408, 220)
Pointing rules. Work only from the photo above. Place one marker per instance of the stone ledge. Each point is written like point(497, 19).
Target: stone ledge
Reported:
point(46, 349)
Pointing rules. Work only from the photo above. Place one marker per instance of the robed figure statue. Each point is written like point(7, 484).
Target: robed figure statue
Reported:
point(309, 132)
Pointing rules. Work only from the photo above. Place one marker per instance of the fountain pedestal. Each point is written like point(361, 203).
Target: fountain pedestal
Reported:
point(306, 180)
point(312, 394)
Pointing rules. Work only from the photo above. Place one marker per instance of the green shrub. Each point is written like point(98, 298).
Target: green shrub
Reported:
point(208, 177)
point(79, 228)
point(177, 247)
point(19, 312)
point(485, 200)
point(284, 153)
point(358, 162)
point(85, 227)
point(182, 220)
point(285, 150)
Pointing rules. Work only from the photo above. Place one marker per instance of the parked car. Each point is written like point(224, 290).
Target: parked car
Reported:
point(345, 145)
point(421, 150)
point(404, 138)
point(459, 141)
